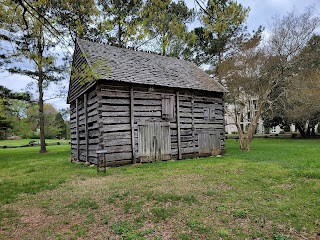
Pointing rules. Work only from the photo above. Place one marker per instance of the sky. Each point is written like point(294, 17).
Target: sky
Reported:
point(261, 13)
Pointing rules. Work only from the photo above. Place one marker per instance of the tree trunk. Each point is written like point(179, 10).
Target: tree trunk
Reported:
point(240, 132)
point(253, 126)
point(163, 46)
point(301, 130)
point(43, 148)
point(41, 115)
point(120, 34)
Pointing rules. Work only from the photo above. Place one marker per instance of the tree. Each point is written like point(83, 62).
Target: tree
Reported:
point(121, 19)
point(6, 107)
point(62, 126)
point(34, 46)
point(243, 76)
point(223, 22)
point(165, 21)
point(76, 19)
point(264, 73)
point(300, 104)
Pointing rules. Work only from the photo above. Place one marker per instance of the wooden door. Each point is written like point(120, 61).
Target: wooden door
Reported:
point(154, 142)
point(209, 142)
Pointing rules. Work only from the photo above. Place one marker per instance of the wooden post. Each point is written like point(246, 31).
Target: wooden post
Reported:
point(132, 124)
point(85, 103)
point(77, 128)
point(178, 126)
point(193, 130)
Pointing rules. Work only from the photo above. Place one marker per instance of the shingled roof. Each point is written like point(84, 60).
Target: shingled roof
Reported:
point(125, 65)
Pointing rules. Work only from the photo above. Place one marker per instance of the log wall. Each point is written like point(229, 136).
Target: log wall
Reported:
point(84, 127)
point(115, 113)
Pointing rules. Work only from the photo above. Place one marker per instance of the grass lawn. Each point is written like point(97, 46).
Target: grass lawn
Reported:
point(21, 142)
point(272, 192)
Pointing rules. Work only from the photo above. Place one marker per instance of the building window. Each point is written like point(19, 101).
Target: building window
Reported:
point(168, 106)
point(209, 114)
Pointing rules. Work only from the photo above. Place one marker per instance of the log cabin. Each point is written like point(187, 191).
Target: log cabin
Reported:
point(141, 107)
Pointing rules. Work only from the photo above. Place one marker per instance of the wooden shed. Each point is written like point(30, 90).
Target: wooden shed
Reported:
point(141, 107)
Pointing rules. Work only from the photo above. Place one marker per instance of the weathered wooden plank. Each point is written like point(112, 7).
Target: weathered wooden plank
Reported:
point(119, 149)
point(117, 142)
point(193, 117)
point(207, 100)
point(185, 103)
point(114, 94)
point(187, 138)
point(114, 128)
point(94, 141)
point(117, 135)
point(178, 125)
point(119, 156)
point(211, 126)
point(186, 120)
point(86, 125)
point(145, 95)
point(188, 150)
point(185, 109)
point(207, 121)
point(93, 113)
point(93, 126)
point(148, 114)
point(92, 107)
point(107, 108)
point(77, 127)
point(115, 114)
point(132, 123)
point(115, 101)
point(115, 120)
point(147, 108)
point(147, 102)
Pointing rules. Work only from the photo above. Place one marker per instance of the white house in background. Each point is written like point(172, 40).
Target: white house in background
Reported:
point(249, 110)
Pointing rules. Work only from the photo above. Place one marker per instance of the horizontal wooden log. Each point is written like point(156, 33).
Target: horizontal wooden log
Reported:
point(184, 104)
point(189, 115)
point(117, 135)
point(186, 138)
point(93, 113)
point(147, 108)
point(119, 156)
point(114, 128)
point(115, 120)
point(94, 141)
point(207, 121)
point(115, 101)
point(115, 114)
point(147, 102)
point(187, 150)
point(106, 108)
point(148, 114)
point(144, 95)
point(117, 142)
point(115, 94)
point(119, 149)
point(210, 126)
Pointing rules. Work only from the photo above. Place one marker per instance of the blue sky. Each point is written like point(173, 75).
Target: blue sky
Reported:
point(261, 13)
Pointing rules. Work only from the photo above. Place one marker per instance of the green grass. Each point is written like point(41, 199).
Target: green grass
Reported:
point(272, 192)
point(25, 170)
point(22, 142)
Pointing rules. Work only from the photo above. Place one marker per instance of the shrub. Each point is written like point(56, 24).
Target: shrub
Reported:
point(286, 128)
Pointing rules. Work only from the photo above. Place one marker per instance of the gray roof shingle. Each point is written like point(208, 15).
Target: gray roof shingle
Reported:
point(125, 65)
